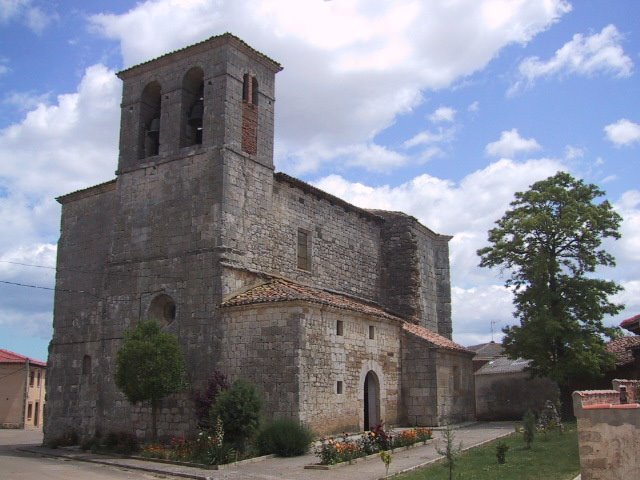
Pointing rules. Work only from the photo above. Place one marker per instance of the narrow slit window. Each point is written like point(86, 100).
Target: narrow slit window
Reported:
point(29, 411)
point(32, 376)
point(304, 257)
point(339, 387)
point(372, 332)
point(339, 328)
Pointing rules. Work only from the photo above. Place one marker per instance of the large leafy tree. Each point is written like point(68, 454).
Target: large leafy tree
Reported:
point(549, 242)
point(149, 366)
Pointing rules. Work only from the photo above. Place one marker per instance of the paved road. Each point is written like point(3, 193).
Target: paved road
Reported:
point(17, 464)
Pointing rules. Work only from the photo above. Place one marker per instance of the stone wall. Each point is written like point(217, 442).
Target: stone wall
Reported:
point(415, 272)
point(326, 358)
point(608, 432)
point(419, 382)
point(507, 396)
point(261, 344)
point(455, 394)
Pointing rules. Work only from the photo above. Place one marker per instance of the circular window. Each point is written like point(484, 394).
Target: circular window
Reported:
point(162, 309)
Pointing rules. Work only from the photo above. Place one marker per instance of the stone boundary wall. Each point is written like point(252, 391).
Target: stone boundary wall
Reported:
point(608, 432)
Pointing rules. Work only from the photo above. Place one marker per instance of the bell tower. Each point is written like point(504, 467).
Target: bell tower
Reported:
point(218, 93)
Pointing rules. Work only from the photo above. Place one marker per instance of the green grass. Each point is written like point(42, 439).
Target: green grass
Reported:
point(553, 459)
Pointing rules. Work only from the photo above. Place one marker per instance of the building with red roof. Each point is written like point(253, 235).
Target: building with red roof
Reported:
point(22, 389)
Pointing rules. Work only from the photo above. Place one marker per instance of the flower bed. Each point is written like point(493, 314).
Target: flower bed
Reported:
point(332, 451)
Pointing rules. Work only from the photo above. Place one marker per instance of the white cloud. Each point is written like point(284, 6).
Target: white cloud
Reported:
point(623, 132)
point(571, 152)
point(510, 144)
point(443, 114)
point(428, 138)
point(34, 17)
point(473, 107)
point(598, 53)
point(25, 101)
point(476, 308)
point(351, 67)
point(628, 247)
point(56, 148)
point(73, 140)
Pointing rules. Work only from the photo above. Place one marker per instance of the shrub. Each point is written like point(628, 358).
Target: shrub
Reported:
point(68, 438)
point(528, 427)
point(284, 437)
point(204, 400)
point(239, 409)
point(124, 443)
point(501, 452)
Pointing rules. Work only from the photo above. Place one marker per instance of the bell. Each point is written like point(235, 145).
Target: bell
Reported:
point(197, 112)
point(154, 127)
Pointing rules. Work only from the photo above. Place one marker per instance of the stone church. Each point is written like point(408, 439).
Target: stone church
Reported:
point(340, 316)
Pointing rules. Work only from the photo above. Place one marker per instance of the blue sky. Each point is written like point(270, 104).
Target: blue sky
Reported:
point(442, 109)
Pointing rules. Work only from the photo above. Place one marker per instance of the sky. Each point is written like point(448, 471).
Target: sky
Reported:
point(442, 109)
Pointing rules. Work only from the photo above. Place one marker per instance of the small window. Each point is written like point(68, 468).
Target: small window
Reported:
point(456, 378)
point(339, 387)
point(86, 365)
point(38, 381)
point(304, 257)
point(31, 377)
point(372, 332)
point(29, 411)
point(339, 327)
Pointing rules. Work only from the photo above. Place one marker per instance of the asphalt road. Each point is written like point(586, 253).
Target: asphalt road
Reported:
point(15, 465)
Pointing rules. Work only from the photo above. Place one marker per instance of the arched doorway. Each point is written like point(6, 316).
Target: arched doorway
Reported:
point(371, 400)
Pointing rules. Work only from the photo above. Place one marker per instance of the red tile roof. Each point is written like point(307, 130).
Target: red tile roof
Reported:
point(280, 290)
point(433, 337)
point(632, 324)
point(7, 356)
point(621, 349)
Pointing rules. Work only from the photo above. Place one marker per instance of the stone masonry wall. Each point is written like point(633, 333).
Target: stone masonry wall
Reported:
point(415, 272)
point(455, 387)
point(326, 358)
point(608, 433)
point(419, 382)
point(261, 344)
point(86, 232)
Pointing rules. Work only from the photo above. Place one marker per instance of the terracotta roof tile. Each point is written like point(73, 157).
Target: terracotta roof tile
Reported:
point(632, 324)
point(621, 349)
point(280, 290)
point(7, 356)
point(432, 337)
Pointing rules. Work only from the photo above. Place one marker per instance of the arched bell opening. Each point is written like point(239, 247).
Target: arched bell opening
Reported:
point(192, 108)
point(371, 400)
point(150, 114)
point(162, 309)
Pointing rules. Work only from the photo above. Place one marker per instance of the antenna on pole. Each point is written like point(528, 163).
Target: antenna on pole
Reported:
point(493, 323)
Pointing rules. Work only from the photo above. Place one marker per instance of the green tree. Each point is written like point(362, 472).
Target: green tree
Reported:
point(239, 408)
point(550, 242)
point(149, 366)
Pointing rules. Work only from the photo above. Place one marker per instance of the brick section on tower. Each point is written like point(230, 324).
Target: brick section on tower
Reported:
point(249, 128)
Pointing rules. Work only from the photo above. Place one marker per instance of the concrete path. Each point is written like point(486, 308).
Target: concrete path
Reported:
point(292, 468)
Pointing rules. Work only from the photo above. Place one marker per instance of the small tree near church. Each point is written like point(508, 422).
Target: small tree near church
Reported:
point(149, 366)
